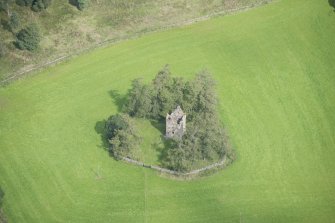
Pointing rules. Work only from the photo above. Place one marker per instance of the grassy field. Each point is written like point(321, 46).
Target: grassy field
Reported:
point(275, 72)
point(66, 30)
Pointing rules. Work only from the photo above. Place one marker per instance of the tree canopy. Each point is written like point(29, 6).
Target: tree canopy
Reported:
point(28, 38)
point(14, 22)
point(36, 5)
point(205, 137)
point(122, 135)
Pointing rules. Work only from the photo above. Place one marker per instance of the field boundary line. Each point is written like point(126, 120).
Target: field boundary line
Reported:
point(109, 42)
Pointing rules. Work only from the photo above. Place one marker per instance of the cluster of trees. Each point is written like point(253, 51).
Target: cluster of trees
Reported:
point(38, 5)
point(205, 137)
point(122, 135)
point(35, 5)
point(332, 3)
point(29, 36)
point(81, 4)
point(26, 38)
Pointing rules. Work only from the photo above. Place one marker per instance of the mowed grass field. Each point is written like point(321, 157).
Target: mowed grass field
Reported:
point(274, 67)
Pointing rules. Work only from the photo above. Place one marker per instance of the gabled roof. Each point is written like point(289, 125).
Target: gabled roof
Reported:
point(177, 113)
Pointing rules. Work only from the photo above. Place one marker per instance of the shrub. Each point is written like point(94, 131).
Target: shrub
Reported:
point(24, 2)
point(39, 5)
point(81, 4)
point(14, 21)
point(28, 38)
point(36, 5)
point(121, 134)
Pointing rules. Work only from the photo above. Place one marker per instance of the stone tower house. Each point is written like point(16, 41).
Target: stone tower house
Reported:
point(175, 124)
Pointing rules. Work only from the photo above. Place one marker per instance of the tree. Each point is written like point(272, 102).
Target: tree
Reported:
point(24, 2)
point(4, 6)
point(81, 4)
point(163, 92)
point(28, 38)
point(331, 3)
point(36, 5)
point(205, 138)
point(139, 103)
point(39, 5)
point(114, 123)
point(14, 21)
point(205, 100)
point(122, 135)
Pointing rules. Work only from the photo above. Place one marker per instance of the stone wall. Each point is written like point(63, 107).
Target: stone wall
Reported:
point(172, 172)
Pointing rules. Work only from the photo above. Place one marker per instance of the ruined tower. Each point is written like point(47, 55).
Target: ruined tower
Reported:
point(175, 124)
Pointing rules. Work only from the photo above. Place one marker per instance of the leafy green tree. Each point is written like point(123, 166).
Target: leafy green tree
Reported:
point(24, 2)
point(5, 6)
point(122, 144)
point(122, 135)
point(14, 21)
point(139, 103)
point(176, 159)
point(82, 4)
point(28, 38)
point(163, 92)
point(206, 100)
point(205, 138)
point(36, 5)
point(115, 123)
point(39, 5)
point(332, 3)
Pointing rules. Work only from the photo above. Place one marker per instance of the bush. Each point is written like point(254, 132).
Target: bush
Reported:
point(81, 4)
point(4, 6)
point(36, 5)
point(39, 5)
point(24, 2)
point(28, 38)
point(14, 21)
point(121, 134)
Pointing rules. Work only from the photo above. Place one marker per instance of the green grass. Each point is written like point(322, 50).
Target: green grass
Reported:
point(275, 72)
point(66, 30)
point(152, 144)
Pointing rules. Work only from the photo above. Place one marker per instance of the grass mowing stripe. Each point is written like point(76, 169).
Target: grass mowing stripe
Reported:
point(274, 71)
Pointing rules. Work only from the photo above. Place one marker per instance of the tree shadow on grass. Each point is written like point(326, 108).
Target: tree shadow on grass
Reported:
point(100, 129)
point(159, 125)
point(332, 4)
point(118, 99)
point(74, 3)
point(162, 148)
